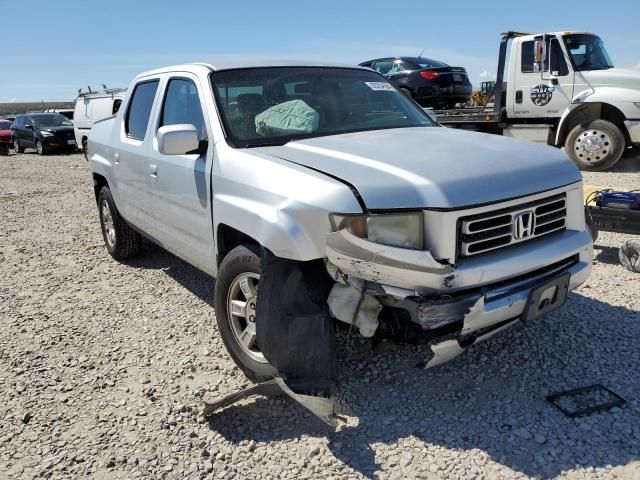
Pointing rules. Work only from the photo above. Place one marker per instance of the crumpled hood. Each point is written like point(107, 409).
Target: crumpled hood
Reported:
point(613, 77)
point(432, 167)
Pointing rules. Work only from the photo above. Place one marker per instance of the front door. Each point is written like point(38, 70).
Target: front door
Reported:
point(543, 94)
point(180, 194)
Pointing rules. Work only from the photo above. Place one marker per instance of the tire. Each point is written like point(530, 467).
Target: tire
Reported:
point(629, 255)
point(121, 240)
point(17, 147)
point(242, 263)
point(4, 149)
point(596, 146)
point(40, 148)
point(84, 149)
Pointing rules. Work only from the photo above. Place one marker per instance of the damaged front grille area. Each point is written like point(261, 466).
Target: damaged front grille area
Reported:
point(486, 232)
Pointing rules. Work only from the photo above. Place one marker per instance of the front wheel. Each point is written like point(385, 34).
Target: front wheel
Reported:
point(596, 146)
point(84, 149)
point(235, 298)
point(40, 147)
point(17, 147)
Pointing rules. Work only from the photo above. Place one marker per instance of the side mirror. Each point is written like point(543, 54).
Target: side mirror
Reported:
point(177, 139)
point(539, 54)
point(29, 127)
point(432, 115)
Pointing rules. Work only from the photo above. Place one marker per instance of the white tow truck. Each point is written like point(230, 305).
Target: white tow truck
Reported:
point(562, 90)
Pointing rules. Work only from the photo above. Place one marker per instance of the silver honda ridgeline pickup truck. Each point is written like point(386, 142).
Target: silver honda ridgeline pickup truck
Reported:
point(320, 195)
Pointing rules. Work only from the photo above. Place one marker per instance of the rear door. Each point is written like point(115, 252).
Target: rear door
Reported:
point(132, 159)
point(18, 129)
point(180, 193)
point(541, 94)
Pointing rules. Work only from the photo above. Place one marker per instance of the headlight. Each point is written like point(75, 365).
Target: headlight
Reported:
point(395, 229)
point(46, 134)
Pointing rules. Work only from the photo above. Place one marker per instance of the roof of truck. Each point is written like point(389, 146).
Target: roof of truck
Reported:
point(227, 64)
point(527, 36)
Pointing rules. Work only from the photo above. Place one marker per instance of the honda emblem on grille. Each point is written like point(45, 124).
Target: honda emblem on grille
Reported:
point(523, 224)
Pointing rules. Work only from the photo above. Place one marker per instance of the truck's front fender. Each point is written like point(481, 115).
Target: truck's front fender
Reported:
point(617, 101)
point(283, 206)
point(276, 229)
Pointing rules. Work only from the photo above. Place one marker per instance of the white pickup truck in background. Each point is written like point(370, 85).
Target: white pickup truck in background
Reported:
point(320, 195)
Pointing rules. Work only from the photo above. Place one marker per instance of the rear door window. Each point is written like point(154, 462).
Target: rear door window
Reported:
point(383, 66)
point(139, 110)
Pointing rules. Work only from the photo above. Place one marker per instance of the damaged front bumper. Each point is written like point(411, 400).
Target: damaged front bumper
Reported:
point(480, 295)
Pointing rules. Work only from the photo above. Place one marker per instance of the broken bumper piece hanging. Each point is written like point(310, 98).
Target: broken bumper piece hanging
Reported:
point(296, 335)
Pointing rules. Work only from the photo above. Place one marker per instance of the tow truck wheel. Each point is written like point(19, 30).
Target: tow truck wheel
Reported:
point(234, 298)
point(595, 147)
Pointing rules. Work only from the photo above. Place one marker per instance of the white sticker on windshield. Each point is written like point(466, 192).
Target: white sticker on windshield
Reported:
point(380, 86)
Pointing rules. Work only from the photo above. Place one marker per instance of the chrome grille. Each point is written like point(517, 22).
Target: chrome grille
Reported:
point(485, 232)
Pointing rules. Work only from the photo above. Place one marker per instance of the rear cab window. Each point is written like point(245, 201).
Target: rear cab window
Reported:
point(139, 109)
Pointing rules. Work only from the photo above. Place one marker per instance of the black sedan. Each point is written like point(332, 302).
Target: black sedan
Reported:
point(429, 82)
point(44, 132)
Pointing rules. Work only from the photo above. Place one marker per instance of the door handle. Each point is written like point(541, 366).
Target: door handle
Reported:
point(153, 172)
point(116, 159)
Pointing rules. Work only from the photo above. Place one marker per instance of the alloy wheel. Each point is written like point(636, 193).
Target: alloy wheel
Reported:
point(107, 224)
point(593, 145)
point(241, 311)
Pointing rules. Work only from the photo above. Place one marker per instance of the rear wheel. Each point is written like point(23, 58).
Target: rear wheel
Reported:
point(84, 149)
point(121, 240)
point(17, 147)
point(596, 146)
point(235, 298)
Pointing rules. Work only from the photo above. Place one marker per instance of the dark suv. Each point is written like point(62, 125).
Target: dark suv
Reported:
point(44, 132)
point(429, 82)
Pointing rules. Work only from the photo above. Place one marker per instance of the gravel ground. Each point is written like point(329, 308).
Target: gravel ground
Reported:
point(103, 367)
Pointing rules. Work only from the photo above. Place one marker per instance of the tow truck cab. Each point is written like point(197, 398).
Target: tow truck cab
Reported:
point(563, 90)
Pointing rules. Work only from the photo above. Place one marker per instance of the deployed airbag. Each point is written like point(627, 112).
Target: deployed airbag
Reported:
point(294, 116)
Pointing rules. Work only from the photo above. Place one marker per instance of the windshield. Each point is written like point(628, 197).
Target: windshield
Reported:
point(587, 52)
point(272, 106)
point(53, 120)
